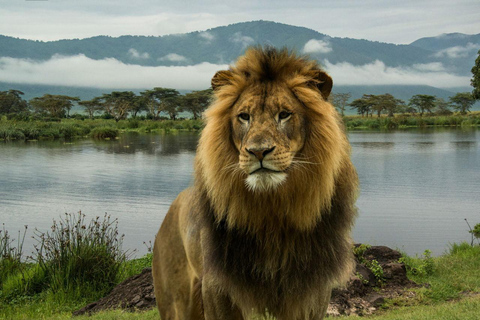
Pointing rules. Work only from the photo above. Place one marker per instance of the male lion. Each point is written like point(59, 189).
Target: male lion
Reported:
point(266, 226)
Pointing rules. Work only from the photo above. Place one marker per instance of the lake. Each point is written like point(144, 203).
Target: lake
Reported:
point(417, 186)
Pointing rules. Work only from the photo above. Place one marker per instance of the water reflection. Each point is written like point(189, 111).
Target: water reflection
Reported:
point(417, 186)
point(169, 144)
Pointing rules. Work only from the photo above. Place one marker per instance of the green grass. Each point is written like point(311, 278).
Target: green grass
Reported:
point(409, 121)
point(62, 280)
point(68, 129)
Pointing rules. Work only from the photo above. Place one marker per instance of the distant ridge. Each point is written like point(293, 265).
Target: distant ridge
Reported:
point(452, 54)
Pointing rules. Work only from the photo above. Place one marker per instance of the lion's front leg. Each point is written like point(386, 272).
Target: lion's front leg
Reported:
point(216, 304)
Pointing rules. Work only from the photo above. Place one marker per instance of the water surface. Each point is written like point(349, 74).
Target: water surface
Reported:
point(417, 186)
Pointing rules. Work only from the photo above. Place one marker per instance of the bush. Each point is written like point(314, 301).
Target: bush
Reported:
point(104, 133)
point(80, 258)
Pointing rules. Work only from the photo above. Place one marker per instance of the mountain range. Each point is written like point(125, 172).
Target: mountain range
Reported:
point(448, 55)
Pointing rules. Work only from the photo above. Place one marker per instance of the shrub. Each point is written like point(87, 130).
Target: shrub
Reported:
point(80, 258)
point(104, 133)
point(419, 266)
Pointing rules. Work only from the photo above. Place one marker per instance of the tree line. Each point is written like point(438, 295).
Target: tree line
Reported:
point(419, 104)
point(117, 105)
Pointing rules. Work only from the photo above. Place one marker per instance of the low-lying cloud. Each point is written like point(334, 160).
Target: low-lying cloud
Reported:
point(377, 73)
point(245, 41)
point(317, 46)
point(458, 51)
point(133, 53)
point(173, 57)
point(81, 71)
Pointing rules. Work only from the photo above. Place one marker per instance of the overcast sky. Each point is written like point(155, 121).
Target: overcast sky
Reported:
point(397, 22)
point(386, 21)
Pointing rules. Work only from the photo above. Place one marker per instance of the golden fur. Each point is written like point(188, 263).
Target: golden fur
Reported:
point(239, 242)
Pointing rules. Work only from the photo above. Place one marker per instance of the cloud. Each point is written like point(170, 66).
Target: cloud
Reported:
point(133, 53)
point(245, 41)
point(81, 71)
point(458, 51)
point(207, 36)
point(377, 73)
point(317, 46)
point(433, 66)
point(173, 57)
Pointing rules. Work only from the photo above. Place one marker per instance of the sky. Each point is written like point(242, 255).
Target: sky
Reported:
point(399, 22)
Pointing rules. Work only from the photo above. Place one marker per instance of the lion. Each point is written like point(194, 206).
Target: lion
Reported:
point(265, 228)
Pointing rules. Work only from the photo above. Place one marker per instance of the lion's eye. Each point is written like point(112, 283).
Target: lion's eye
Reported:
point(244, 116)
point(284, 115)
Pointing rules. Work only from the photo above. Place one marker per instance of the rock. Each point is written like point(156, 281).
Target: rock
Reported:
point(375, 299)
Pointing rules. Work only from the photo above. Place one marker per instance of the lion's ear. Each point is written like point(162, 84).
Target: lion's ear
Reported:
point(221, 78)
point(324, 83)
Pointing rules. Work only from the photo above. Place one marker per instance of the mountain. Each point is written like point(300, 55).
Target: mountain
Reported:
point(453, 54)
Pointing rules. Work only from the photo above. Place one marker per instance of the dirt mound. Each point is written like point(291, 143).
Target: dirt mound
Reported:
point(364, 293)
point(135, 293)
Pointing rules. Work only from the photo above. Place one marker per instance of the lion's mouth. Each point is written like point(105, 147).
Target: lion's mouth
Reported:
point(264, 170)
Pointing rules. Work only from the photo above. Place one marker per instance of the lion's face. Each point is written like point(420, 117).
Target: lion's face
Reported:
point(268, 130)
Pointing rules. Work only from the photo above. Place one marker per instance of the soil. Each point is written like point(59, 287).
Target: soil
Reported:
point(363, 294)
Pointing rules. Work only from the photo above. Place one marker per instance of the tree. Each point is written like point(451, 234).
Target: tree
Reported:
point(442, 107)
point(156, 100)
point(463, 102)
point(172, 105)
point(118, 104)
point(197, 101)
point(91, 106)
point(340, 101)
point(140, 104)
point(388, 103)
point(475, 82)
point(57, 106)
point(422, 103)
point(362, 105)
point(12, 102)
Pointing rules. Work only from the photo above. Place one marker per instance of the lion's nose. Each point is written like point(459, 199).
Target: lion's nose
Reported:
point(260, 153)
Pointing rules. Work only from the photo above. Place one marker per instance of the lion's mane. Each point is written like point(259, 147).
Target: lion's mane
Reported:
point(317, 199)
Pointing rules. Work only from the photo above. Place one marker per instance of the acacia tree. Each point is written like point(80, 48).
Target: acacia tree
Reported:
point(463, 102)
point(475, 82)
point(389, 103)
point(92, 106)
point(442, 107)
point(57, 106)
point(12, 102)
point(118, 104)
point(340, 101)
point(362, 105)
point(197, 101)
point(157, 100)
point(422, 103)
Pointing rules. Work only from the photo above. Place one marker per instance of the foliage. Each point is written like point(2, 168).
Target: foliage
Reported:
point(475, 82)
point(91, 106)
point(118, 103)
point(339, 100)
point(422, 103)
point(11, 102)
point(462, 102)
point(197, 101)
point(57, 106)
point(161, 99)
point(104, 133)
point(10, 256)
point(419, 266)
point(359, 252)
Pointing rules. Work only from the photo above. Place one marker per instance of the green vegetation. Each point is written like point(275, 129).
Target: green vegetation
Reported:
point(475, 82)
point(98, 128)
point(75, 263)
point(410, 121)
